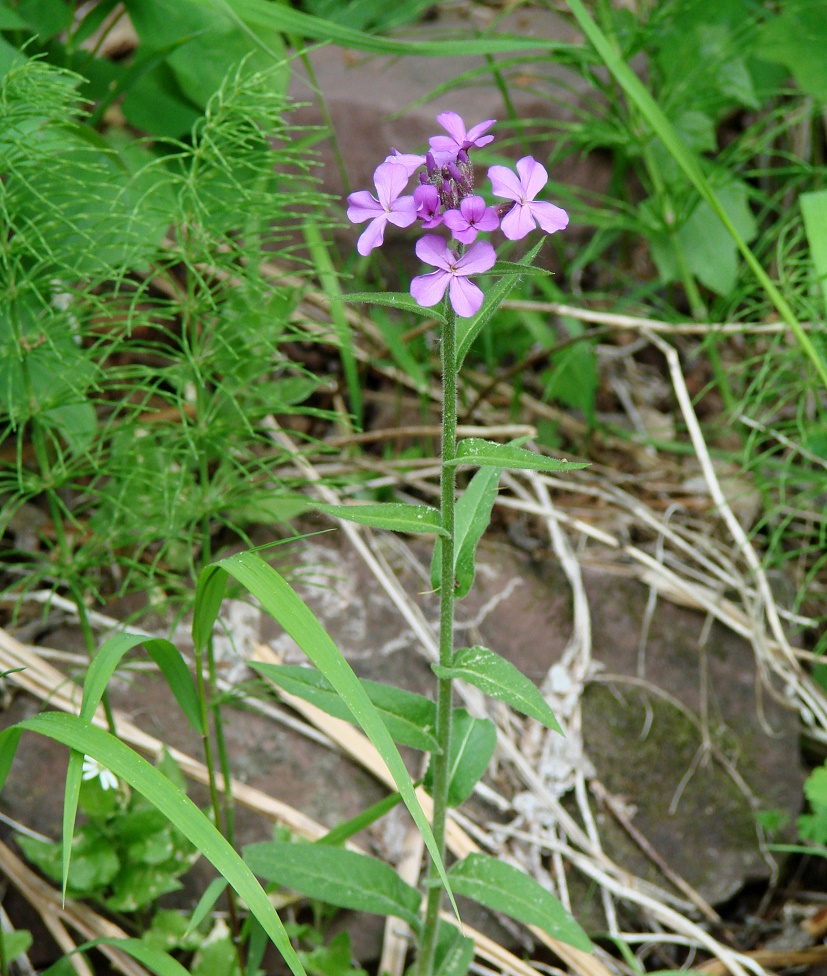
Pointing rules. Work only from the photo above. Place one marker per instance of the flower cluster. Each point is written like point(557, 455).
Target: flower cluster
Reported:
point(445, 196)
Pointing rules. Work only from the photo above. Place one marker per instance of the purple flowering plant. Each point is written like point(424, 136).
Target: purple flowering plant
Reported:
point(445, 196)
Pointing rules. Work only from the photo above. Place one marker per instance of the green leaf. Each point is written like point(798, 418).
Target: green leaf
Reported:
point(513, 267)
point(409, 718)
point(499, 678)
point(482, 453)
point(469, 329)
point(393, 516)
point(283, 18)
point(209, 594)
point(454, 951)
point(688, 161)
point(15, 943)
point(473, 741)
point(393, 299)
point(814, 211)
point(155, 960)
point(797, 38)
point(472, 515)
point(504, 888)
point(297, 619)
point(344, 831)
point(213, 891)
point(178, 808)
point(336, 876)
point(140, 884)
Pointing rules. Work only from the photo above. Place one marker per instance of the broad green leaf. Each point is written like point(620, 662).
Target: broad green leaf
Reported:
point(15, 943)
point(499, 678)
point(140, 884)
point(409, 718)
point(393, 299)
point(473, 741)
point(507, 889)
point(814, 211)
point(177, 807)
point(209, 594)
point(797, 38)
point(482, 453)
point(469, 329)
point(472, 515)
point(297, 619)
point(689, 163)
point(336, 876)
point(454, 951)
point(393, 516)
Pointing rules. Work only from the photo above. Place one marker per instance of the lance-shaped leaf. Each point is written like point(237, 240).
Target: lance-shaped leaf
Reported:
point(337, 876)
point(473, 741)
point(507, 889)
point(482, 453)
point(473, 513)
point(83, 737)
point(393, 516)
point(392, 299)
point(282, 602)
point(499, 678)
point(410, 718)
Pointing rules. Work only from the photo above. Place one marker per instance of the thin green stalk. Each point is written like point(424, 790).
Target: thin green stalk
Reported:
point(441, 761)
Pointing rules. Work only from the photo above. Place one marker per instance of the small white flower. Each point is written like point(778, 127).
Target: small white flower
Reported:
point(92, 769)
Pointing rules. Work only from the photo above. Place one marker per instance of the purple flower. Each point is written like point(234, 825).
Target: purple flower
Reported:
point(411, 161)
point(457, 137)
point(473, 216)
point(427, 205)
point(520, 219)
point(390, 180)
point(452, 273)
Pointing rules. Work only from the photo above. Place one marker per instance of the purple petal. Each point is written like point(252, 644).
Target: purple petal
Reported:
point(472, 208)
point(517, 222)
point(453, 125)
point(504, 183)
point(550, 218)
point(372, 236)
point(390, 179)
point(474, 134)
point(411, 161)
point(533, 176)
point(433, 250)
point(455, 219)
point(444, 150)
point(429, 289)
point(478, 258)
point(363, 206)
point(465, 297)
point(490, 219)
point(403, 212)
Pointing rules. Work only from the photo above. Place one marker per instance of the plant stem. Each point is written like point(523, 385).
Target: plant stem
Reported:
point(441, 760)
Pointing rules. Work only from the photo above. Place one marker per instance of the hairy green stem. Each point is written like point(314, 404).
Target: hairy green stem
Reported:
point(441, 760)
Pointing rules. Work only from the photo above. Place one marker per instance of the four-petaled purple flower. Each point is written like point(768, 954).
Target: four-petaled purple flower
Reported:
point(457, 137)
point(390, 207)
point(520, 219)
point(445, 194)
point(452, 273)
point(473, 216)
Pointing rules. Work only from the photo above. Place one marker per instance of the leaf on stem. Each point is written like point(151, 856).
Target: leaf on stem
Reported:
point(393, 516)
point(499, 678)
point(482, 453)
point(507, 889)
